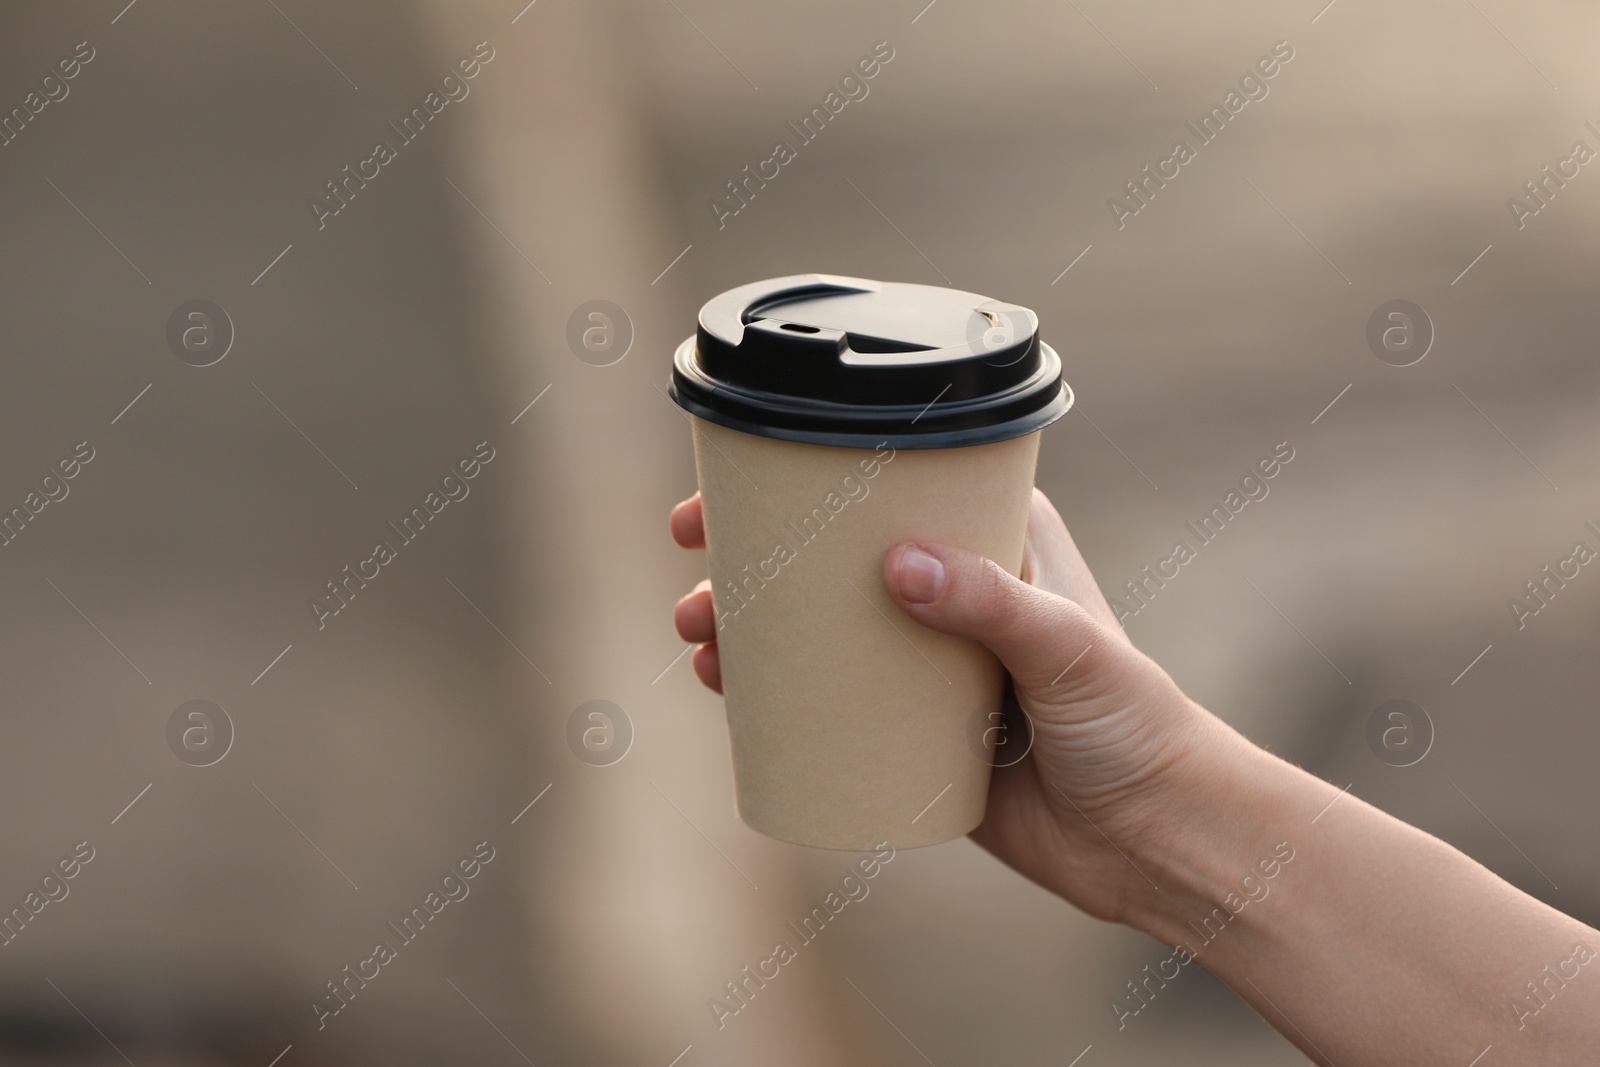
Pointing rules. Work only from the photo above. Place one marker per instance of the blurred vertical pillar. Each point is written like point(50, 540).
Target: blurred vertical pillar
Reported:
point(648, 918)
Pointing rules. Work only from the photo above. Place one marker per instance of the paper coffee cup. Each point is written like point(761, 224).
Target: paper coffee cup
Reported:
point(833, 418)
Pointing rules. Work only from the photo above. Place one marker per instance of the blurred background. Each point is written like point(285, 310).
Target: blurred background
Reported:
point(247, 850)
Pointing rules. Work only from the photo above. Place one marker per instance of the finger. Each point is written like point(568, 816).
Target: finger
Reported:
point(1043, 639)
point(695, 615)
point(708, 666)
point(688, 523)
point(1054, 564)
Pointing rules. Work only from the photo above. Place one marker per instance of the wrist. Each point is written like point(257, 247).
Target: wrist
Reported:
point(1221, 825)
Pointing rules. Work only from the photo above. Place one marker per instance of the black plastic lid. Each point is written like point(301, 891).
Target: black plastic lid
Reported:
point(858, 363)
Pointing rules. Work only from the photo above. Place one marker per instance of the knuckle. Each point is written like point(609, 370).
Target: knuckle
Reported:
point(1090, 650)
point(996, 596)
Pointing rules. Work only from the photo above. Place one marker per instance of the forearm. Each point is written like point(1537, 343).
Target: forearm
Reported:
point(1365, 941)
point(1373, 941)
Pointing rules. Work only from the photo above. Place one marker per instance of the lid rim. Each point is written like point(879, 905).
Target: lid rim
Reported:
point(945, 426)
point(953, 438)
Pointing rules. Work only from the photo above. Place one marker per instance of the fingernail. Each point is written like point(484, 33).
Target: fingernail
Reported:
point(921, 576)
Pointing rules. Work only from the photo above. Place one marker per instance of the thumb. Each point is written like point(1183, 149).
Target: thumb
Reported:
point(1042, 639)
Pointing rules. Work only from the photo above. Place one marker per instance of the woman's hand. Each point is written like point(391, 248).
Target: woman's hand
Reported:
point(1378, 945)
point(1113, 736)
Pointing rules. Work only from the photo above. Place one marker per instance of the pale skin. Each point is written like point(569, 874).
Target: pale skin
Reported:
point(1376, 945)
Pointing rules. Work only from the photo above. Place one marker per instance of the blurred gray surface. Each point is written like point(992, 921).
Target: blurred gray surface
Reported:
point(371, 357)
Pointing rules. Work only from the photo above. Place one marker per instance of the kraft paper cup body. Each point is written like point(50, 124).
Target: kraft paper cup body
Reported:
point(849, 723)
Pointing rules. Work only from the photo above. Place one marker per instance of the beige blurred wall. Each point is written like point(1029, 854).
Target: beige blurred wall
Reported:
point(1220, 320)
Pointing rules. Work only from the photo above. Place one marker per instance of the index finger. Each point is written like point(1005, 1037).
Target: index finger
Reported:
point(1053, 563)
point(688, 523)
